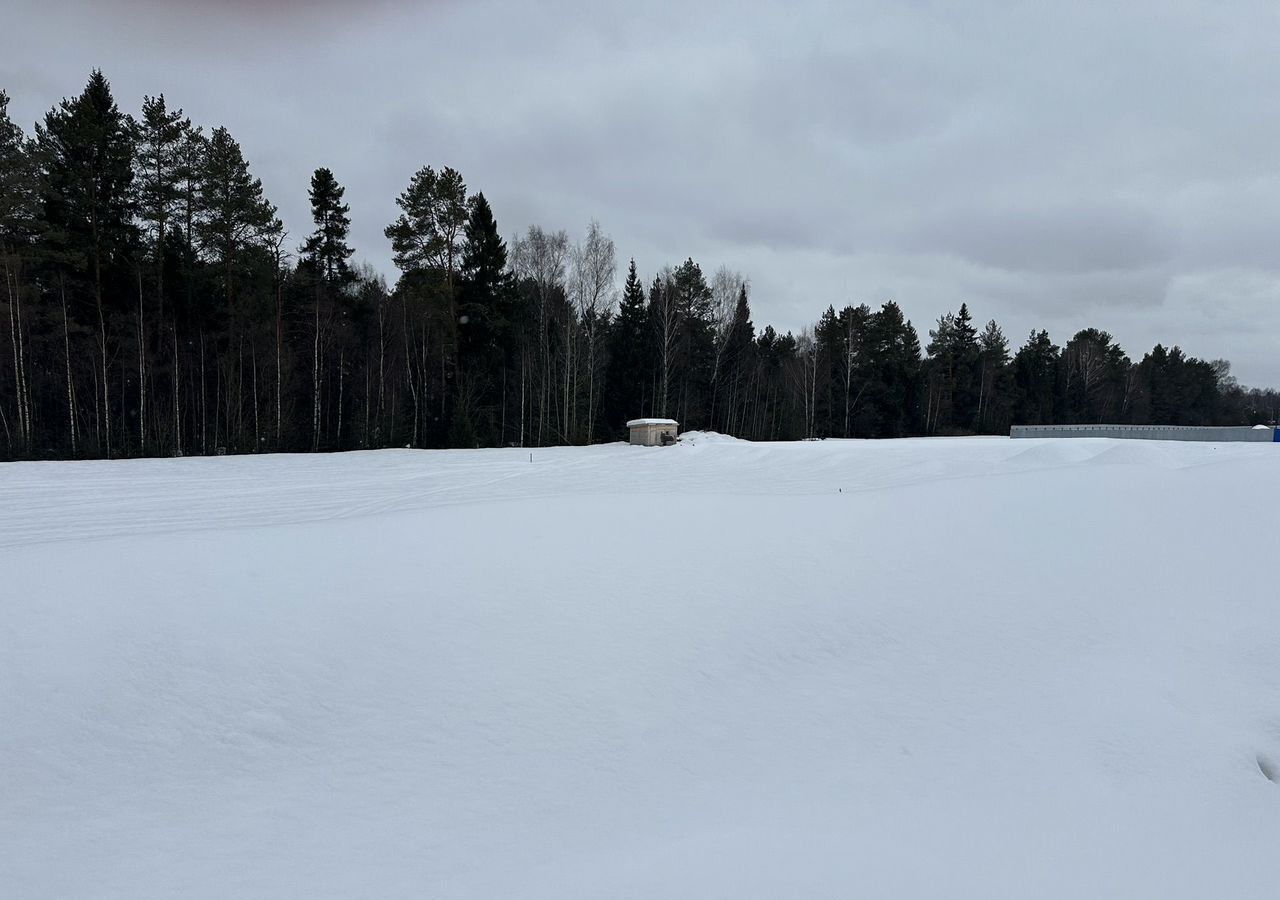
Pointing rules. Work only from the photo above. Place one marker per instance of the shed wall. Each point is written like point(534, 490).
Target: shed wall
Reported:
point(1147, 432)
point(650, 435)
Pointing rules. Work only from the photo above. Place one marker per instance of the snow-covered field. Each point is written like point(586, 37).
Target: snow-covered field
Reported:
point(908, 669)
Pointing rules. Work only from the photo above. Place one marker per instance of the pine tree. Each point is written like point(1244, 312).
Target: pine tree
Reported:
point(433, 214)
point(233, 214)
point(694, 358)
point(324, 257)
point(17, 182)
point(852, 368)
point(158, 183)
point(830, 338)
point(425, 242)
point(994, 380)
point(237, 228)
point(86, 148)
point(895, 360)
point(940, 376)
point(159, 178)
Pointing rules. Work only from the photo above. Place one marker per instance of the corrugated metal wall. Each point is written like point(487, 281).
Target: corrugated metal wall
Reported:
point(1148, 432)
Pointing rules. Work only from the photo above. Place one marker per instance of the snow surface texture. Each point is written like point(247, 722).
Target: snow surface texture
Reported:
point(964, 668)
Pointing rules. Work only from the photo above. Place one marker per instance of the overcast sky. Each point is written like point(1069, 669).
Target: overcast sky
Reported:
point(1053, 165)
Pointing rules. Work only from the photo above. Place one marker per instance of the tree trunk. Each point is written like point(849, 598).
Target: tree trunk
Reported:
point(142, 373)
point(177, 406)
point(338, 434)
point(106, 378)
point(279, 375)
point(66, 346)
point(408, 364)
point(15, 334)
point(257, 431)
point(382, 358)
point(204, 402)
point(315, 379)
point(102, 332)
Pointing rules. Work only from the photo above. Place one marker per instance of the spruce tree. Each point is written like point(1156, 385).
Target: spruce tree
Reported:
point(325, 252)
point(485, 292)
point(965, 379)
point(487, 315)
point(1035, 376)
point(629, 355)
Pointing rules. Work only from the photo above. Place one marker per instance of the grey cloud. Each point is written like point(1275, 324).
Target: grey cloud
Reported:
point(1056, 166)
point(1076, 238)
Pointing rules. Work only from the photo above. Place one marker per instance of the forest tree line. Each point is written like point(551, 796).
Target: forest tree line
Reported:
point(154, 305)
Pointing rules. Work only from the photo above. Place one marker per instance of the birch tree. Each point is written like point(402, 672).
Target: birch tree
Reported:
point(17, 230)
point(594, 292)
point(726, 287)
point(539, 258)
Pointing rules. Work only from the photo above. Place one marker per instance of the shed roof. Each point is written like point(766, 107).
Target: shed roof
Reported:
point(634, 423)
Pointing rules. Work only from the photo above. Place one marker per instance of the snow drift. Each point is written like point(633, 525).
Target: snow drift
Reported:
point(961, 668)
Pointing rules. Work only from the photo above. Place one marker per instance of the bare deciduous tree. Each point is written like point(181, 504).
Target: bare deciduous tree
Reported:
point(539, 257)
point(594, 291)
point(726, 285)
point(666, 317)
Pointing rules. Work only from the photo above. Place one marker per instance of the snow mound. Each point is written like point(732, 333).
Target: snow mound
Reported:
point(709, 437)
point(1158, 454)
point(1056, 452)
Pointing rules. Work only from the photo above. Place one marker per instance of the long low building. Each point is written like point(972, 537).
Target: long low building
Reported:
point(1256, 434)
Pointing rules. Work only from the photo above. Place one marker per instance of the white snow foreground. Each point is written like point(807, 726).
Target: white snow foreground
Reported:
point(907, 669)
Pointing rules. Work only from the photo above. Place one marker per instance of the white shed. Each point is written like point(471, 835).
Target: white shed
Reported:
point(653, 432)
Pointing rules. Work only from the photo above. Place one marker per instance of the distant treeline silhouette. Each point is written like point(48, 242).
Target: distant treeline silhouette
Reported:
point(154, 305)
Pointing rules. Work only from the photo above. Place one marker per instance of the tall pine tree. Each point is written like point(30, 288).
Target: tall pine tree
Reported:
point(86, 147)
point(324, 257)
